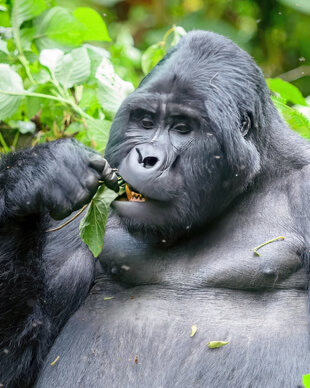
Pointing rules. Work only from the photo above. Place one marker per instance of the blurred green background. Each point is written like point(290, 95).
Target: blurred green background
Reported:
point(275, 32)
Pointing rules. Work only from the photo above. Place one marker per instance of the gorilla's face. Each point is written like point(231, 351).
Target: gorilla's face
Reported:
point(186, 140)
point(159, 163)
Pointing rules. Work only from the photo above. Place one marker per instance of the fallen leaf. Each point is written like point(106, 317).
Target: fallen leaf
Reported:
point(217, 344)
point(194, 329)
point(56, 360)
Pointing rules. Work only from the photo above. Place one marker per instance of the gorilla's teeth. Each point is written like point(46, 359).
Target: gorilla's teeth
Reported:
point(132, 196)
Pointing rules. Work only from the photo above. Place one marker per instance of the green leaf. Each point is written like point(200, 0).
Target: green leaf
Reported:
point(34, 105)
point(92, 226)
point(26, 127)
point(68, 69)
point(75, 127)
point(96, 55)
point(4, 19)
point(286, 90)
point(26, 37)
point(295, 119)
point(57, 27)
point(306, 380)
point(152, 56)
point(50, 58)
point(4, 47)
point(25, 10)
point(98, 133)
point(193, 330)
point(178, 32)
point(96, 28)
point(112, 90)
point(42, 76)
point(73, 68)
point(10, 81)
point(217, 344)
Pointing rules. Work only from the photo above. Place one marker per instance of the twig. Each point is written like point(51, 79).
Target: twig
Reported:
point(54, 362)
point(75, 107)
point(69, 221)
point(294, 74)
point(3, 143)
point(265, 243)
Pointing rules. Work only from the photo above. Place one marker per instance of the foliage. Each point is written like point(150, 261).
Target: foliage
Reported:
point(52, 83)
point(285, 94)
point(157, 51)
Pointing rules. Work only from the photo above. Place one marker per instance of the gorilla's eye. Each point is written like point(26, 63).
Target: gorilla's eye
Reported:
point(245, 125)
point(147, 123)
point(182, 128)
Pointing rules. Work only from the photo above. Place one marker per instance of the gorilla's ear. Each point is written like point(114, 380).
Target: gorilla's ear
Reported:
point(246, 124)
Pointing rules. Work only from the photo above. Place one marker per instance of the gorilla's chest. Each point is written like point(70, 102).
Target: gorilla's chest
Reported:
point(221, 255)
point(134, 328)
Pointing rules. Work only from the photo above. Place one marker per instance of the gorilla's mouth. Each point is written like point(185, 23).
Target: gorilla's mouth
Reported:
point(131, 195)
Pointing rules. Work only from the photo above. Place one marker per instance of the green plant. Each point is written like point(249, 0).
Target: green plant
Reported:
point(288, 100)
point(52, 83)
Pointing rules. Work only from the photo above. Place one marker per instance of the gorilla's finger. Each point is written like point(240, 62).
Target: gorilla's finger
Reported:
point(82, 198)
point(91, 183)
point(106, 172)
point(58, 205)
point(110, 178)
point(97, 162)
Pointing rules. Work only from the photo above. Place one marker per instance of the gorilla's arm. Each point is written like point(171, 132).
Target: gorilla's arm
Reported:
point(43, 276)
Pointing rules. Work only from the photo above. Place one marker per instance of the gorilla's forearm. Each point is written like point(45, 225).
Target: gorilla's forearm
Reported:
point(24, 328)
point(40, 286)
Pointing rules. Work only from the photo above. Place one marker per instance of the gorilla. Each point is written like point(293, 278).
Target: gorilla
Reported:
point(213, 172)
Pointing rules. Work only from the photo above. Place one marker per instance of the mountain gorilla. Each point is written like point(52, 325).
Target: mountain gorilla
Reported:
point(213, 172)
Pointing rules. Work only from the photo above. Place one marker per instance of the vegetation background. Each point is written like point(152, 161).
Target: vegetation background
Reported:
point(39, 101)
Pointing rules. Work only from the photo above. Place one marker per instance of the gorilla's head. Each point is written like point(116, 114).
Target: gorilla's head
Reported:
point(190, 138)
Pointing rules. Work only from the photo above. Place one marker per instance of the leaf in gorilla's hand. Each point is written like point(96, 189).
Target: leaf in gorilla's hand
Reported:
point(217, 344)
point(92, 226)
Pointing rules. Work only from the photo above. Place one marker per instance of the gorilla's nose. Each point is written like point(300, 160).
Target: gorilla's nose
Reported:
point(149, 157)
point(143, 166)
point(148, 161)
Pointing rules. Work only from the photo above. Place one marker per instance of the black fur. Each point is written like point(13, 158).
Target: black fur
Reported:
point(222, 173)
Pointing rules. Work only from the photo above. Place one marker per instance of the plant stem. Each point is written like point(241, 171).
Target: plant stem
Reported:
point(168, 33)
point(23, 60)
point(267, 242)
point(21, 57)
point(4, 145)
point(73, 105)
point(70, 220)
point(16, 137)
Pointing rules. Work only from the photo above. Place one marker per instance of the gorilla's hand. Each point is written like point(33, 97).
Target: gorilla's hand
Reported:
point(58, 177)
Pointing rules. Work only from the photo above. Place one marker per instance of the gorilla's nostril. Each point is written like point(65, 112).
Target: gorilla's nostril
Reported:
point(149, 161)
point(140, 159)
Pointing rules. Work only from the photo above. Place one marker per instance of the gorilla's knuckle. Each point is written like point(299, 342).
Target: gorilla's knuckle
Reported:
point(91, 182)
